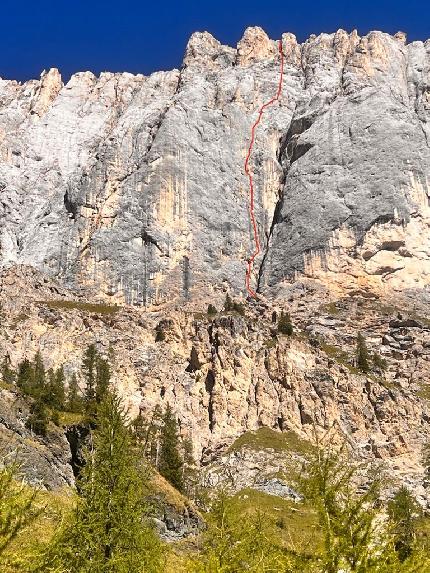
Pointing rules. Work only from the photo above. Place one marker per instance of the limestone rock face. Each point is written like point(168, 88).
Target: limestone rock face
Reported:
point(134, 186)
point(130, 190)
point(255, 46)
point(49, 87)
point(45, 461)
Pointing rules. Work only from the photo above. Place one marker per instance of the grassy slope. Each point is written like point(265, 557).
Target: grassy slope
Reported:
point(266, 438)
point(98, 308)
point(294, 523)
point(53, 506)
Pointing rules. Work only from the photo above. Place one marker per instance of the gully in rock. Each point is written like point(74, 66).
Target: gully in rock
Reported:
point(256, 252)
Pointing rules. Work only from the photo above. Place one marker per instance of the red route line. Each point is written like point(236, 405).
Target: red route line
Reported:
point(250, 261)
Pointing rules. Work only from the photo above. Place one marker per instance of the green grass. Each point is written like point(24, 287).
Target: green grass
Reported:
point(330, 308)
point(339, 355)
point(418, 318)
point(54, 506)
point(219, 314)
point(205, 316)
point(200, 315)
point(98, 308)
point(296, 525)
point(392, 310)
point(70, 418)
point(6, 386)
point(385, 309)
point(271, 342)
point(22, 317)
point(424, 529)
point(266, 438)
point(424, 391)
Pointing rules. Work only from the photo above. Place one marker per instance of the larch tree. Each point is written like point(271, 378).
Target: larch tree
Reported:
point(109, 531)
point(362, 354)
point(17, 506)
point(170, 461)
point(74, 399)
point(102, 378)
point(404, 513)
point(349, 520)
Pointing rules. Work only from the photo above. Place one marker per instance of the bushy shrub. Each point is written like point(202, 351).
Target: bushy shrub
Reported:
point(160, 335)
point(212, 310)
point(284, 324)
point(231, 306)
point(362, 354)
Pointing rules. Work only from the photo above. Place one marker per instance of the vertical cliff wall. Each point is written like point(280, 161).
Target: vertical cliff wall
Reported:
point(134, 186)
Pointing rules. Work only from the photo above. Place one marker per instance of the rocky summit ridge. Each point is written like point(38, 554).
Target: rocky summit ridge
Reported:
point(130, 191)
point(134, 186)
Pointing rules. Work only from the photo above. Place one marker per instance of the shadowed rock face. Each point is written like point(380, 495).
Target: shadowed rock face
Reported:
point(134, 186)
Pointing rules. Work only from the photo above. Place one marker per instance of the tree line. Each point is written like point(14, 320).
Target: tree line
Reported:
point(51, 394)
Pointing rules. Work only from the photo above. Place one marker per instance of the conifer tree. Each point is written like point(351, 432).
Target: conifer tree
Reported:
point(7, 374)
point(228, 304)
point(38, 419)
point(284, 324)
point(60, 391)
point(231, 306)
point(189, 471)
point(362, 354)
point(348, 519)
point(138, 428)
point(160, 334)
point(404, 513)
point(152, 438)
point(102, 378)
point(39, 374)
point(170, 460)
point(17, 506)
point(74, 399)
point(31, 376)
point(235, 543)
point(97, 376)
point(89, 369)
point(25, 379)
point(109, 531)
point(147, 434)
point(211, 310)
point(426, 464)
point(55, 394)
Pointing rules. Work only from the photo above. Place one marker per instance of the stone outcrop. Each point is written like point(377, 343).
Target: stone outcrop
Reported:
point(45, 461)
point(130, 190)
point(134, 187)
point(228, 374)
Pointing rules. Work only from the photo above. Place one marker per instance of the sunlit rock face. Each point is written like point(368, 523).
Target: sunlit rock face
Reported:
point(134, 186)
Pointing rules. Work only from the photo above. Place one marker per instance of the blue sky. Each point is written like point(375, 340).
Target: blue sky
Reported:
point(140, 36)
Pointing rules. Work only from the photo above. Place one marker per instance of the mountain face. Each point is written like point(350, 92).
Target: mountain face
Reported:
point(131, 190)
point(134, 186)
point(229, 374)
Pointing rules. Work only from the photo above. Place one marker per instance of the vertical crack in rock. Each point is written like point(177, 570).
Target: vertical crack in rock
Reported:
point(289, 151)
point(209, 387)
